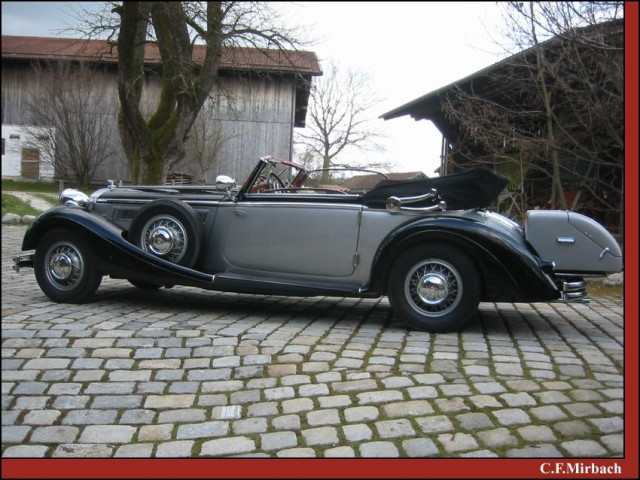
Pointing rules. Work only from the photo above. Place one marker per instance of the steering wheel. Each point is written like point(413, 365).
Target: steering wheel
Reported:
point(270, 181)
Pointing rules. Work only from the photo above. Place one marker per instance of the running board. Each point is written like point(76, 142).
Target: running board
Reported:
point(248, 284)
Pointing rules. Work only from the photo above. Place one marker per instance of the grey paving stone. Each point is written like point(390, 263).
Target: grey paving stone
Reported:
point(320, 436)
point(155, 433)
point(26, 451)
point(420, 448)
point(297, 405)
point(14, 434)
point(136, 450)
point(537, 434)
point(227, 446)
point(584, 448)
point(548, 413)
point(278, 440)
point(182, 415)
point(340, 452)
point(323, 417)
point(458, 442)
point(474, 421)
point(89, 417)
point(250, 426)
point(395, 428)
point(296, 453)
point(408, 409)
point(80, 450)
point(498, 438)
point(54, 434)
point(607, 425)
point(511, 416)
point(202, 430)
point(357, 433)
point(107, 434)
point(180, 448)
point(536, 451)
point(379, 450)
point(40, 417)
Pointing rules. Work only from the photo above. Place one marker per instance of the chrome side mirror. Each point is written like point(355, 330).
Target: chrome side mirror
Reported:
point(224, 182)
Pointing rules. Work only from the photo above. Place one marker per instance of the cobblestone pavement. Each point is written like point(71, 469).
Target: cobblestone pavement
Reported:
point(190, 373)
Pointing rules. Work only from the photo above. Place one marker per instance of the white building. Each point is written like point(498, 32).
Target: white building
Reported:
point(20, 160)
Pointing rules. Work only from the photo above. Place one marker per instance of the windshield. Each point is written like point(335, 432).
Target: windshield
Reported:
point(279, 176)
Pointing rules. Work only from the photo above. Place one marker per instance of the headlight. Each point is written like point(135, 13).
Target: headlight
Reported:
point(74, 198)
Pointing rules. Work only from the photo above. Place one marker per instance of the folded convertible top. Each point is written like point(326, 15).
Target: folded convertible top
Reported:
point(475, 188)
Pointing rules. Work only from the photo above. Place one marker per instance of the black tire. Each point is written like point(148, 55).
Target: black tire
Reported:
point(169, 229)
point(65, 267)
point(434, 288)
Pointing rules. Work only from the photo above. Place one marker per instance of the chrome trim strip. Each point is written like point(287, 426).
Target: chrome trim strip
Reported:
point(297, 205)
point(566, 240)
point(141, 201)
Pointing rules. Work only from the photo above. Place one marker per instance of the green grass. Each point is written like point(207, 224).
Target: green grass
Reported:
point(11, 204)
point(599, 289)
point(17, 186)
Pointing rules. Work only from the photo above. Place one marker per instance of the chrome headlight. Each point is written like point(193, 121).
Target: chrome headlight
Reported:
point(74, 198)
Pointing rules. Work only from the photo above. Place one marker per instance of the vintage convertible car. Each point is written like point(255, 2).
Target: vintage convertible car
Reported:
point(429, 244)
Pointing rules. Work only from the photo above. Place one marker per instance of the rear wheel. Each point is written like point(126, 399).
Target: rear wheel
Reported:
point(65, 268)
point(435, 288)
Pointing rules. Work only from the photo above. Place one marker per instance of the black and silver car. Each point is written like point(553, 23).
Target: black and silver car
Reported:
point(430, 245)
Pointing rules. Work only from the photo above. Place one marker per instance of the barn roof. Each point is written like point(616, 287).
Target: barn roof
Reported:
point(233, 58)
point(429, 106)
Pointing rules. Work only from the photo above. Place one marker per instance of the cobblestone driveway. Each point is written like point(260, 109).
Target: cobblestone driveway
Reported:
point(190, 373)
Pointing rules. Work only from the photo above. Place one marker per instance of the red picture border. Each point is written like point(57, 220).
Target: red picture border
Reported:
point(416, 468)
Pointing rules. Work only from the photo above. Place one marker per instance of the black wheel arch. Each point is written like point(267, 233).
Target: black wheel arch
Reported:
point(497, 258)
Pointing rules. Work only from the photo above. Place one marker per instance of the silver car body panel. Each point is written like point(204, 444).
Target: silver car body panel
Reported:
point(573, 242)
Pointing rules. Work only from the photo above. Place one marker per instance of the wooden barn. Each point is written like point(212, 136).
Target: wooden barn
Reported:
point(496, 118)
point(260, 98)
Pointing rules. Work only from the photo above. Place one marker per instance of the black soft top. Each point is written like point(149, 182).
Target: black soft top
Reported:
point(475, 188)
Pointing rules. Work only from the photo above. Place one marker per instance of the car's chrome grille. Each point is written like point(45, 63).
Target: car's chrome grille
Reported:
point(124, 213)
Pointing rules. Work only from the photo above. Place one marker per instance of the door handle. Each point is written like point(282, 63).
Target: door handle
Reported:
point(239, 213)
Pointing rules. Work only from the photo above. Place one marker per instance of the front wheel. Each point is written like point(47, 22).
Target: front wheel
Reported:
point(435, 288)
point(64, 267)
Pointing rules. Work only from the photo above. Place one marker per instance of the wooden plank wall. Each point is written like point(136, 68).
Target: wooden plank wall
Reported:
point(255, 114)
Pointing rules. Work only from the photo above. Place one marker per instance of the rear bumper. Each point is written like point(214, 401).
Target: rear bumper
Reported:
point(25, 260)
point(573, 290)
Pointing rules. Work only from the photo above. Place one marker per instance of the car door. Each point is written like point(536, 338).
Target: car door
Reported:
point(295, 234)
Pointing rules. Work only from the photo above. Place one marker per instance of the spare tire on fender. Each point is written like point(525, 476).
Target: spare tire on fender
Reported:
point(168, 229)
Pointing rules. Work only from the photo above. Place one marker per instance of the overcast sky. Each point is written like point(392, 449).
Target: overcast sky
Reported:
point(408, 49)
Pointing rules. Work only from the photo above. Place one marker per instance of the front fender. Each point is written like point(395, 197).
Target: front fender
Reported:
point(510, 271)
point(114, 255)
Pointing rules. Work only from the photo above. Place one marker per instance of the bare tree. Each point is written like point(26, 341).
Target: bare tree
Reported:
point(204, 144)
point(555, 109)
point(341, 103)
point(154, 142)
point(73, 120)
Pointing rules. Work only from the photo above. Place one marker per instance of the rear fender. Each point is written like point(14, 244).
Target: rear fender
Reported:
point(510, 272)
point(114, 255)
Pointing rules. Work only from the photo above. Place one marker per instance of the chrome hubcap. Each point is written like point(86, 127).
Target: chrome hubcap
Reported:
point(165, 237)
point(65, 266)
point(161, 241)
point(433, 287)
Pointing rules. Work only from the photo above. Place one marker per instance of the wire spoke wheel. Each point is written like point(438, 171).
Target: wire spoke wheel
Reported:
point(165, 237)
point(64, 265)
